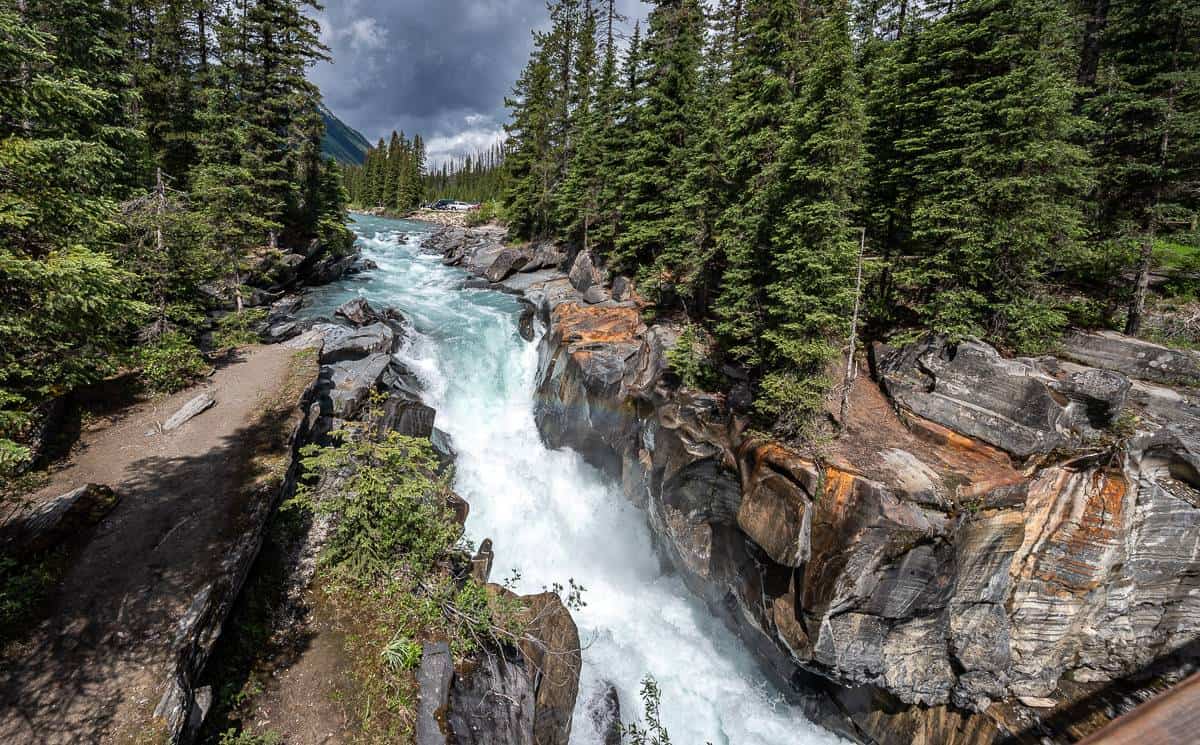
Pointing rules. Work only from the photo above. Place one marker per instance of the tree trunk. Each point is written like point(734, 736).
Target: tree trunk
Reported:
point(1137, 306)
point(850, 369)
point(1093, 33)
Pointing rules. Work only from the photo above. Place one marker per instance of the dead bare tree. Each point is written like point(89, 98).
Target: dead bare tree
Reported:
point(851, 369)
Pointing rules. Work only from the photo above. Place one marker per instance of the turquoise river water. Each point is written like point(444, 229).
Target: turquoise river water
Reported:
point(555, 518)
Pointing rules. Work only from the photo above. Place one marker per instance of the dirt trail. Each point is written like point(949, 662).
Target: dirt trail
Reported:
point(92, 671)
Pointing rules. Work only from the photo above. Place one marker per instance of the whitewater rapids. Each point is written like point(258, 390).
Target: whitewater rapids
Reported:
point(554, 518)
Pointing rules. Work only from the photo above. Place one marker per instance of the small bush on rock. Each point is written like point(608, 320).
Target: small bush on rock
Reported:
point(689, 358)
point(171, 363)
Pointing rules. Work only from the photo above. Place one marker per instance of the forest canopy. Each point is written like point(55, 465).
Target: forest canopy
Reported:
point(1001, 168)
point(151, 153)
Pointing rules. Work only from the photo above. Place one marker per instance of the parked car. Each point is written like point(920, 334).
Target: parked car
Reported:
point(451, 205)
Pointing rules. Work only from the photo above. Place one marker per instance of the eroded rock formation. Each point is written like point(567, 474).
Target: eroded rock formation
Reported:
point(991, 550)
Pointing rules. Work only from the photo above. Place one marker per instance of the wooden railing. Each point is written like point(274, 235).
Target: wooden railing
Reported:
point(1171, 718)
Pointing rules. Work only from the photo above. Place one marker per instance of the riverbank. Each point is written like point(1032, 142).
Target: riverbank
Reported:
point(443, 218)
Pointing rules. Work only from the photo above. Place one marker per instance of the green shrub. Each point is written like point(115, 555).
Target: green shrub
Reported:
point(402, 653)
point(13, 457)
point(390, 506)
point(238, 329)
point(791, 400)
point(654, 732)
point(171, 363)
point(233, 737)
point(22, 587)
point(1033, 325)
point(689, 358)
point(487, 212)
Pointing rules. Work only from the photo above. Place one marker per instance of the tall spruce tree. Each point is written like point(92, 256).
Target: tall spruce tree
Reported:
point(653, 217)
point(576, 196)
point(1146, 104)
point(616, 158)
point(996, 176)
point(808, 295)
point(766, 73)
point(64, 304)
point(530, 160)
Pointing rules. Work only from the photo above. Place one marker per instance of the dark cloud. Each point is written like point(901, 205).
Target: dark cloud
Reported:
point(438, 68)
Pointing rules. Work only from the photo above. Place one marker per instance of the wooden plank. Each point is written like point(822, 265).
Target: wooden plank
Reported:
point(1169, 719)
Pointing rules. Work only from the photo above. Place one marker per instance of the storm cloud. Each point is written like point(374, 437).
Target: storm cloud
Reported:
point(438, 68)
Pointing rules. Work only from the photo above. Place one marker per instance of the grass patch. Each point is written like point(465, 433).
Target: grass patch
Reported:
point(1174, 255)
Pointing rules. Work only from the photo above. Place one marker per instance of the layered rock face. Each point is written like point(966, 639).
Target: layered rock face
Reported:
point(991, 550)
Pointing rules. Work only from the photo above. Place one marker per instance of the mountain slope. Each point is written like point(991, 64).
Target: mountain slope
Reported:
point(342, 142)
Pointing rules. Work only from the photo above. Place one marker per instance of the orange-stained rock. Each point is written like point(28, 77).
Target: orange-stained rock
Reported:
point(577, 323)
point(776, 511)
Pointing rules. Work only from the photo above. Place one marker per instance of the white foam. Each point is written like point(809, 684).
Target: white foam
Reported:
point(555, 518)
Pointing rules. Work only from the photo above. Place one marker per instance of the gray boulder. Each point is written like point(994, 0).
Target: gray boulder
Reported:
point(352, 381)
point(406, 416)
point(585, 272)
point(595, 295)
point(604, 714)
point(433, 692)
point(493, 701)
point(508, 262)
point(622, 289)
point(358, 312)
point(285, 308)
point(544, 255)
point(1133, 357)
point(1016, 405)
point(348, 344)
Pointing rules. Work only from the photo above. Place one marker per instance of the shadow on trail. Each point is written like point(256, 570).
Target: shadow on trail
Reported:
point(97, 659)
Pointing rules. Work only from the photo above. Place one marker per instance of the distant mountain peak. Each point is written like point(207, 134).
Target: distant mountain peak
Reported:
point(342, 142)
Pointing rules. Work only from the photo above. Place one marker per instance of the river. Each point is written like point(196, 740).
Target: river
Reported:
point(554, 518)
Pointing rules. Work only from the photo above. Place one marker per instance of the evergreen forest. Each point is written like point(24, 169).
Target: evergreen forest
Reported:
point(153, 155)
point(1000, 169)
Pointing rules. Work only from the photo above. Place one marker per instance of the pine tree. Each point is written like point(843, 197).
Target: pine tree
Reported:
point(615, 145)
point(995, 174)
point(813, 245)
point(530, 160)
point(694, 262)
point(653, 218)
point(766, 73)
point(1146, 103)
point(576, 196)
point(64, 305)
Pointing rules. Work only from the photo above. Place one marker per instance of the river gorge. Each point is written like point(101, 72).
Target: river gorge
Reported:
point(553, 517)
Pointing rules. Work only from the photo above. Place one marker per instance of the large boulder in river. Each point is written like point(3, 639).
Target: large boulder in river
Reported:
point(342, 343)
point(358, 312)
point(521, 696)
point(508, 262)
point(351, 383)
point(406, 416)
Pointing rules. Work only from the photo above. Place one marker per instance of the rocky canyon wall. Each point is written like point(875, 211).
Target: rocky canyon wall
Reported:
point(988, 549)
